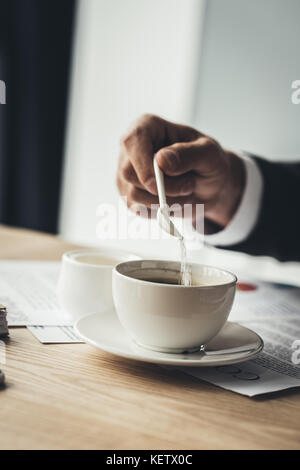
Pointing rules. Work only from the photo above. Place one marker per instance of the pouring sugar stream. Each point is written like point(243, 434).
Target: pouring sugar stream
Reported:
point(166, 224)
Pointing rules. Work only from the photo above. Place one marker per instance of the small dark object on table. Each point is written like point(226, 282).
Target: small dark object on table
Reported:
point(3, 321)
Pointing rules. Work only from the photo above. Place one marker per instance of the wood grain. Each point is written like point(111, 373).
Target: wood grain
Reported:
point(73, 396)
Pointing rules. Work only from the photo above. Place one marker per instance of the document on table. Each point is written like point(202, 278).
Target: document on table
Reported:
point(55, 334)
point(28, 290)
point(272, 311)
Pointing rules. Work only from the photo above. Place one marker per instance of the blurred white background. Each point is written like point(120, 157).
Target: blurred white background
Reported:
point(249, 58)
point(224, 66)
point(131, 57)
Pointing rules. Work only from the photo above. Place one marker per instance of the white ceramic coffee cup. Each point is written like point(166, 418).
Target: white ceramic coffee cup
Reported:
point(172, 318)
point(85, 280)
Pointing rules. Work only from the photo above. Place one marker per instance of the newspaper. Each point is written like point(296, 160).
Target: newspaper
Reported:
point(273, 311)
point(28, 291)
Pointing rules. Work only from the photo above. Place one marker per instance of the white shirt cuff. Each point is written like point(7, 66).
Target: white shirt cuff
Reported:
point(245, 218)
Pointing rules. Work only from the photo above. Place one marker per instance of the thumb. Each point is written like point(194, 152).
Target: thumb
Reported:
point(183, 157)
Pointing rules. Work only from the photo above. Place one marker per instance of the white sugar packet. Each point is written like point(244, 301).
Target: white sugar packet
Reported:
point(55, 334)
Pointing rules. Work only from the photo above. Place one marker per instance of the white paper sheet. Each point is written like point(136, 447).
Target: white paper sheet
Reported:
point(28, 290)
point(55, 334)
point(273, 311)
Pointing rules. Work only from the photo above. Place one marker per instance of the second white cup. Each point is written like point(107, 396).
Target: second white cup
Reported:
point(85, 280)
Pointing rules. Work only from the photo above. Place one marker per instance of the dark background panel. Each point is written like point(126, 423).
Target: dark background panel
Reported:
point(35, 57)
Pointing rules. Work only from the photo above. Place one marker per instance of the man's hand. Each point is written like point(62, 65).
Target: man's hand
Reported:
point(197, 169)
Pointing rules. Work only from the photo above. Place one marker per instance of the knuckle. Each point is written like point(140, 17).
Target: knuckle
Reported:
point(208, 143)
point(132, 136)
point(205, 140)
point(138, 129)
point(126, 172)
point(148, 118)
point(138, 132)
point(126, 139)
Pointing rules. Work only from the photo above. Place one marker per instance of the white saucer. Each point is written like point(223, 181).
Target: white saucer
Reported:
point(234, 343)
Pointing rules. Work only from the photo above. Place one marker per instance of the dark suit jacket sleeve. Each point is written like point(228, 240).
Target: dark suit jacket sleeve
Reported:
point(277, 231)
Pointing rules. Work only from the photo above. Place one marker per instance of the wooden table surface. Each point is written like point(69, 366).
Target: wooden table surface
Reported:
point(72, 396)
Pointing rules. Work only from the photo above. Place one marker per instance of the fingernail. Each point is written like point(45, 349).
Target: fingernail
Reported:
point(187, 188)
point(151, 185)
point(171, 159)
